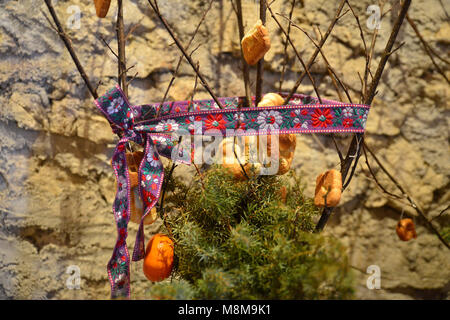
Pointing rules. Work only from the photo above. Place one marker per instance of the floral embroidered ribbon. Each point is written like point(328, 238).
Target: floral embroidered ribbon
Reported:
point(158, 136)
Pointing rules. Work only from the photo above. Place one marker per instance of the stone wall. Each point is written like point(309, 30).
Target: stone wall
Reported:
point(56, 185)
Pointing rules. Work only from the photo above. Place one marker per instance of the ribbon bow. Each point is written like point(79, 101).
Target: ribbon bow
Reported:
point(303, 114)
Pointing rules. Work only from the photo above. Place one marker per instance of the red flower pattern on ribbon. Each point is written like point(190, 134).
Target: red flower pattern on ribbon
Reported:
point(322, 118)
point(215, 122)
point(347, 122)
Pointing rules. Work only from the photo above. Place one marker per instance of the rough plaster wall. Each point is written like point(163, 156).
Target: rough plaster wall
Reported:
point(56, 186)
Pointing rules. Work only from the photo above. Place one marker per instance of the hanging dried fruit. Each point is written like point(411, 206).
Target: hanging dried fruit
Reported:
point(286, 147)
point(406, 229)
point(328, 189)
point(102, 7)
point(286, 142)
point(133, 161)
point(158, 260)
point(255, 43)
point(230, 162)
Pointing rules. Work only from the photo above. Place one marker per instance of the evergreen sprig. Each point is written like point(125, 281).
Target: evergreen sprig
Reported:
point(242, 240)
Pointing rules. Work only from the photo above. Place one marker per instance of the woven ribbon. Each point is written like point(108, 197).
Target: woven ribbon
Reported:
point(159, 137)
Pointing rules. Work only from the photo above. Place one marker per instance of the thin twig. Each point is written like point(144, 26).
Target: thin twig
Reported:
point(398, 47)
point(69, 47)
point(332, 72)
point(367, 71)
point(375, 177)
point(169, 176)
point(132, 78)
point(335, 85)
point(122, 63)
point(109, 47)
point(366, 54)
point(133, 28)
point(316, 52)
point(441, 213)
point(385, 55)
point(428, 49)
point(407, 196)
point(341, 158)
point(305, 67)
point(182, 49)
point(285, 54)
point(354, 149)
point(194, 91)
point(180, 59)
point(323, 56)
point(260, 65)
point(245, 68)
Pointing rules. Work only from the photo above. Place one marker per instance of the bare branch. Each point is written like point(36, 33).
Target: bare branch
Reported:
point(316, 52)
point(288, 38)
point(428, 49)
point(354, 149)
point(245, 68)
point(408, 197)
point(133, 28)
point(69, 47)
point(109, 47)
point(260, 65)
point(323, 56)
point(441, 213)
point(375, 177)
point(182, 49)
point(180, 59)
point(366, 54)
point(122, 63)
point(285, 54)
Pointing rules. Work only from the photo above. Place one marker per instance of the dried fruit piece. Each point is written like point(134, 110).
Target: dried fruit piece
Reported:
point(406, 229)
point(102, 7)
point(328, 189)
point(255, 43)
point(133, 161)
point(230, 162)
